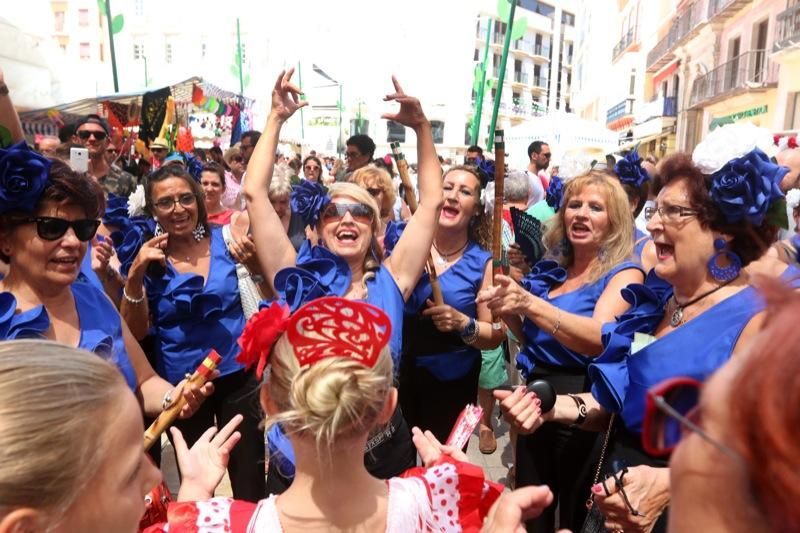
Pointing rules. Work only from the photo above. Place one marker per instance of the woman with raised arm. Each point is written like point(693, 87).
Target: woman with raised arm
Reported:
point(347, 223)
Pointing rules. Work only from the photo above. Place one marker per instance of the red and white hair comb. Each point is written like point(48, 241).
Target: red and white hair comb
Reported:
point(325, 327)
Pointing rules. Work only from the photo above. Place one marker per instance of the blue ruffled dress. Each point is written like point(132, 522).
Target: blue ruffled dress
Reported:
point(100, 324)
point(640, 240)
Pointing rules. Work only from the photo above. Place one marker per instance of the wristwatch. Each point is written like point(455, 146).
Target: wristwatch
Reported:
point(470, 333)
point(582, 411)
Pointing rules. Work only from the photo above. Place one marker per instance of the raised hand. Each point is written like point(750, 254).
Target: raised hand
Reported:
point(513, 508)
point(646, 491)
point(410, 113)
point(286, 96)
point(101, 255)
point(152, 250)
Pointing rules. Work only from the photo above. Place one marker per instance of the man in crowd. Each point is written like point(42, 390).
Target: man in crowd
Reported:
point(92, 132)
point(474, 155)
point(159, 148)
point(538, 161)
point(359, 152)
point(248, 143)
point(47, 145)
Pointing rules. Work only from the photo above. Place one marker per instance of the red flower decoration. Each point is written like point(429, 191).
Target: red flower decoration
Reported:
point(792, 142)
point(776, 139)
point(260, 333)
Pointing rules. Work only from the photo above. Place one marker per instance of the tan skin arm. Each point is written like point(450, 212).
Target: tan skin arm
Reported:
point(137, 315)
point(578, 333)
point(8, 115)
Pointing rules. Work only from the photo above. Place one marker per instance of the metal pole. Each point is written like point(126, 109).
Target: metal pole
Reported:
point(338, 142)
point(502, 73)
point(239, 57)
point(478, 111)
point(300, 82)
point(145, 72)
point(111, 45)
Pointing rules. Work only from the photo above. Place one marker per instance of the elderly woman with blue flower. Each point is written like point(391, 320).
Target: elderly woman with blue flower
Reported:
point(693, 311)
point(48, 214)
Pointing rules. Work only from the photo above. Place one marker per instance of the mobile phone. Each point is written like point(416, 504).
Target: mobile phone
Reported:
point(79, 159)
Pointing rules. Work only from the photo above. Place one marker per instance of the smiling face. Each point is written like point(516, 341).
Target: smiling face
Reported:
point(122, 481)
point(683, 245)
point(461, 199)
point(41, 262)
point(347, 236)
point(586, 219)
point(212, 188)
point(89, 137)
point(354, 158)
point(175, 217)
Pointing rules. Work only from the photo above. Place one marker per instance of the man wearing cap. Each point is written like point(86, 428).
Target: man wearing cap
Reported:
point(159, 149)
point(92, 132)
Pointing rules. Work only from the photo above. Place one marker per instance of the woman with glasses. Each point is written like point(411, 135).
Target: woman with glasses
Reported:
point(558, 312)
point(312, 169)
point(695, 307)
point(378, 183)
point(182, 286)
point(349, 262)
point(46, 227)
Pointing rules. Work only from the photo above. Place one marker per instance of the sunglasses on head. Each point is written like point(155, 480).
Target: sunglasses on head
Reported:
point(99, 135)
point(360, 212)
point(374, 191)
point(52, 228)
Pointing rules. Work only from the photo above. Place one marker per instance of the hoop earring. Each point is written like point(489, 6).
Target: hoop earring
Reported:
point(199, 232)
point(724, 273)
point(158, 231)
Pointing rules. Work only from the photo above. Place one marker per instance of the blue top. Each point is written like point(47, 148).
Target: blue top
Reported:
point(191, 316)
point(100, 324)
point(444, 354)
point(640, 240)
point(383, 292)
point(541, 346)
point(621, 377)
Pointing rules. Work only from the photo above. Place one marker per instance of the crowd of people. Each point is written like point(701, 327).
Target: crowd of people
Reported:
point(356, 318)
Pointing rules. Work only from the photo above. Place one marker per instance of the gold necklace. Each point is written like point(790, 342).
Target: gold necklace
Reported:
point(443, 258)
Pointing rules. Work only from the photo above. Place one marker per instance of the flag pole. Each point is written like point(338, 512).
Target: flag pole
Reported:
point(502, 74)
point(111, 46)
point(478, 111)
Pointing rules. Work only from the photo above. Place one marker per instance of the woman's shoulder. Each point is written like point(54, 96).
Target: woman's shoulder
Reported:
point(543, 276)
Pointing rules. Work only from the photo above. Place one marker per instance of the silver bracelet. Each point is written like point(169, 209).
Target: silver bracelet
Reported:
point(132, 300)
point(474, 337)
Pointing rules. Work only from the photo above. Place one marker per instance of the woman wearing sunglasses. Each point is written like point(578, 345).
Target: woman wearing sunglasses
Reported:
point(182, 287)
point(348, 224)
point(46, 226)
point(378, 183)
point(695, 307)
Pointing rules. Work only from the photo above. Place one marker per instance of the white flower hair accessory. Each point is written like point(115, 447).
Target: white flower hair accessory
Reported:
point(730, 142)
point(574, 165)
point(793, 198)
point(137, 202)
point(487, 197)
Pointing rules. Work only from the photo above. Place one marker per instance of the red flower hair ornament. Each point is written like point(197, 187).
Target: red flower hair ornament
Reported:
point(325, 327)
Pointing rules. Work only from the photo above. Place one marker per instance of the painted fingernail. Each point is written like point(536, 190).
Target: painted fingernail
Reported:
point(597, 489)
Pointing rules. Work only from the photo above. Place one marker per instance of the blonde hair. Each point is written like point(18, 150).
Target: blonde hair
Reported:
point(54, 402)
point(279, 187)
point(617, 246)
point(374, 258)
point(332, 399)
point(375, 177)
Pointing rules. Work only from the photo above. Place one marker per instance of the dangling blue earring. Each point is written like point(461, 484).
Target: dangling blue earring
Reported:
point(726, 273)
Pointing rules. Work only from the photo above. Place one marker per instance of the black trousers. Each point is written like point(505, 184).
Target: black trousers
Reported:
point(234, 394)
point(432, 404)
point(560, 458)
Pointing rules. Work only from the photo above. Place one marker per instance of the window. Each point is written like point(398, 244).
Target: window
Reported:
point(632, 87)
point(468, 134)
point(59, 21)
point(83, 17)
point(168, 52)
point(85, 51)
point(395, 132)
point(476, 56)
point(358, 125)
point(203, 49)
point(538, 7)
point(567, 18)
point(138, 50)
point(437, 128)
point(139, 7)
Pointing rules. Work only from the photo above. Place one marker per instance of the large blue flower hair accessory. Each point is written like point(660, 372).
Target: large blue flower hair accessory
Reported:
point(23, 178)
point(629, 170)
point(486, 170)
point(555, 193)
point(746, 187)
point(308, 200)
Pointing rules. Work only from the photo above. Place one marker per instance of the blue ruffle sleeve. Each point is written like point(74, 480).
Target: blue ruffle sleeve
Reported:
point(26, 325)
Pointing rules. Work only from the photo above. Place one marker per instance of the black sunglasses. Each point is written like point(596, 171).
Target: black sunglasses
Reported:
point(52, 228)
point(360, 212)
point(99, 135)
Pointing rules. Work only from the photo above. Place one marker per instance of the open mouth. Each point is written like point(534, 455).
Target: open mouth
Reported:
point(664, 251)
point(65, 262)
point(579, 229)
point(346, 236)
point(450, 211)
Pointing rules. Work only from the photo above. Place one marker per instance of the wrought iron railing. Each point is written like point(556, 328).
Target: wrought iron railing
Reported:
point(624, 42)
point(750, 70)
point(623, 108)
point(787, 31)
point(682, 25)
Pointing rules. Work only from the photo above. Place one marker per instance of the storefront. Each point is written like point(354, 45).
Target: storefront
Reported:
point(756, 107)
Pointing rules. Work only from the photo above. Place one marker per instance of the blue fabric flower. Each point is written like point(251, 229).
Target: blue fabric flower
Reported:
point(319, 272)
point(486, 169)
point(746, 187)
point(647, 302)
point(29, 324)
point(555, 193)
point(185, 292)
point(127, 243)
point(193, 166)
point(23, 178)
point(629, 170)
point(392, 235)
point(544, 275)
point(116, 214)
point(308, 200)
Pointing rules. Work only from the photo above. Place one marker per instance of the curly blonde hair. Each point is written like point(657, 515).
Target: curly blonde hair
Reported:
point(617, 246)
point(371, 176)
point(332, 399)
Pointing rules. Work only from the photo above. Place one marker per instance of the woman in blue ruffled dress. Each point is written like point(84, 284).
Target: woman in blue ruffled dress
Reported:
point(558, 312)
point(441, 360)
point(48, 214)
point(349, 262)
point(183, 289)
point(687, 319)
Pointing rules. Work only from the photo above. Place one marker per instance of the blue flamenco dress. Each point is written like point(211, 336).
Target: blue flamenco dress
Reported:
point(439, 372)
point(191, 316)
point(100, 325)
point(640, 240)
point(556, 455)
point(319, 272)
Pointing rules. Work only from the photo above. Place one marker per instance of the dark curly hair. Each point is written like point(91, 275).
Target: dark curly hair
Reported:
point(749, 242)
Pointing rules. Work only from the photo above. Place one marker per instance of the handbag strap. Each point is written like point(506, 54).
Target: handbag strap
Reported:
point(602, 458)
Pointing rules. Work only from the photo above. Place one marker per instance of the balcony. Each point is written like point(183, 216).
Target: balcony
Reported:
point(656, 108)
point(540, 82)
point(684, 25)
point(725, 9)
point(788, 27)
point(751, 71)
point(620, 111)
point(627, 39)
point(521, 77)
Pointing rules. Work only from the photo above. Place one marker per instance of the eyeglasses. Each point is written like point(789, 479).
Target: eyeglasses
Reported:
point(111, 151)
point(158, 149)
point(166, 205)
point(374, 191)
point(351, 155)
point(98, 135)
point(671, 408)
point(52, 228)
point(360, 212)
point(309, 168)
point(547, 155)
point(670, 213)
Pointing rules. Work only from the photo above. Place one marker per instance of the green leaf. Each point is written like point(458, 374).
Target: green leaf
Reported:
point(246, 80)
point(503, 9)
point(476, 82)
point(519, 28)
point(777, 215)
point(235, 70)
point(490, 83)
point(101, 5)
point(117, 23)
point(5, 137)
